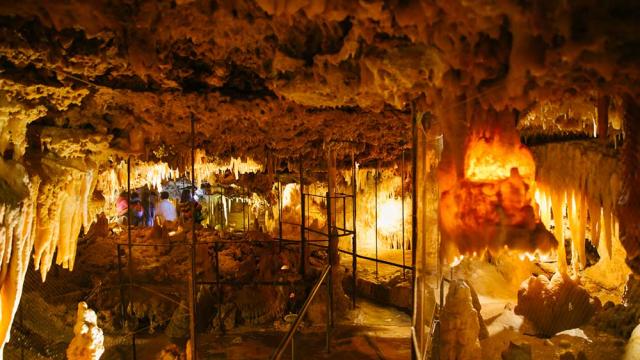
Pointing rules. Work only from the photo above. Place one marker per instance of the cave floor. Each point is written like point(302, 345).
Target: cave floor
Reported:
point(368, 332)
point(497, 288)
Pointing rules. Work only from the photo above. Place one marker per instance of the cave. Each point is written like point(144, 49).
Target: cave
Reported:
point(320, 179)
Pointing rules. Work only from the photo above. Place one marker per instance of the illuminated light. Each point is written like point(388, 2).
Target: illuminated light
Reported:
point(390, 216)
point(225, 209)
point(489, 159)
point(494, 206)
point(171, 233)
point(287, 194)
point(457, 260)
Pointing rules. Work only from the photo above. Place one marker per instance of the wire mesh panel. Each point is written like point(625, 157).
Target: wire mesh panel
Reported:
point(43, 327)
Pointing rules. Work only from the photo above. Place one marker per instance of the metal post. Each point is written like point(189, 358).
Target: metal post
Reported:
point(354, 244)
point(330, 285)
point(130, 244)
point(123, 307)
point(129, 240)
point(376, 190)
point(332, 252)
point(303, 241)
point(308, 200)
point(220, 295)
point(244, 215)
point(329, 225)
point(133, 346)
point(344, 212)
point(414, 214)
point(329, 312)
point(279, 213)
point(402, 199)
point(192, 283)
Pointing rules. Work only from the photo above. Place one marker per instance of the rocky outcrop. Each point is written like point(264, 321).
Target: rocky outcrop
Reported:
point(555, 304)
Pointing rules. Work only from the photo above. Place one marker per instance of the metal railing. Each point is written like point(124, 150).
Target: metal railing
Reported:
point(290, 337)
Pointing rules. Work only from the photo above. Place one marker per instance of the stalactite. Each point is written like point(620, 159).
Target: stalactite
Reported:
point(63, 209)
point(17, 233)
point(565, 175)
point(205, 167)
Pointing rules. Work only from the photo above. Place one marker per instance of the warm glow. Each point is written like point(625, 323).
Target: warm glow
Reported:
point(390, 216)
point(457, 260)
point(287, 194)
point(493, 208)
point(490, 159)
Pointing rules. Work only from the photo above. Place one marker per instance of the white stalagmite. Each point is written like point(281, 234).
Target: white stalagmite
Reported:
point(88, 342)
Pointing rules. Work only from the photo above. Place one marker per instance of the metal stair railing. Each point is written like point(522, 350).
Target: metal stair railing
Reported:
point(289, 337)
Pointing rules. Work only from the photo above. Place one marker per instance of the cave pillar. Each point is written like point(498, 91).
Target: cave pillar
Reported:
point(427, 147)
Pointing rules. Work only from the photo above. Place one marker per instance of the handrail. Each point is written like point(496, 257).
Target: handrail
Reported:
point(360, 256)
point(294, 327)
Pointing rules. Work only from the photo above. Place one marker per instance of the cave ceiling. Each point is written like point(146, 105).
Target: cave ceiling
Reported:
point(278, 78)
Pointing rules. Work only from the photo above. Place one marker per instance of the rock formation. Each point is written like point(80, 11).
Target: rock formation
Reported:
point(459, 325)
point(555, 304)
point(87, 343)
point(632, 350)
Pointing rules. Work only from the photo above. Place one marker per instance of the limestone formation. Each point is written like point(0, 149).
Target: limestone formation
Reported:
point(459, 326)
point(87, 343)
point(632, 350)
point(555, 304)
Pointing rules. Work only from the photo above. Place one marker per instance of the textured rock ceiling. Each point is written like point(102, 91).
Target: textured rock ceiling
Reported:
point(283, 77)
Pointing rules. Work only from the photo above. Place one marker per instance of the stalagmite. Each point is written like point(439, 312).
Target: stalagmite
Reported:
point(88, 342)
point(460, 329)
